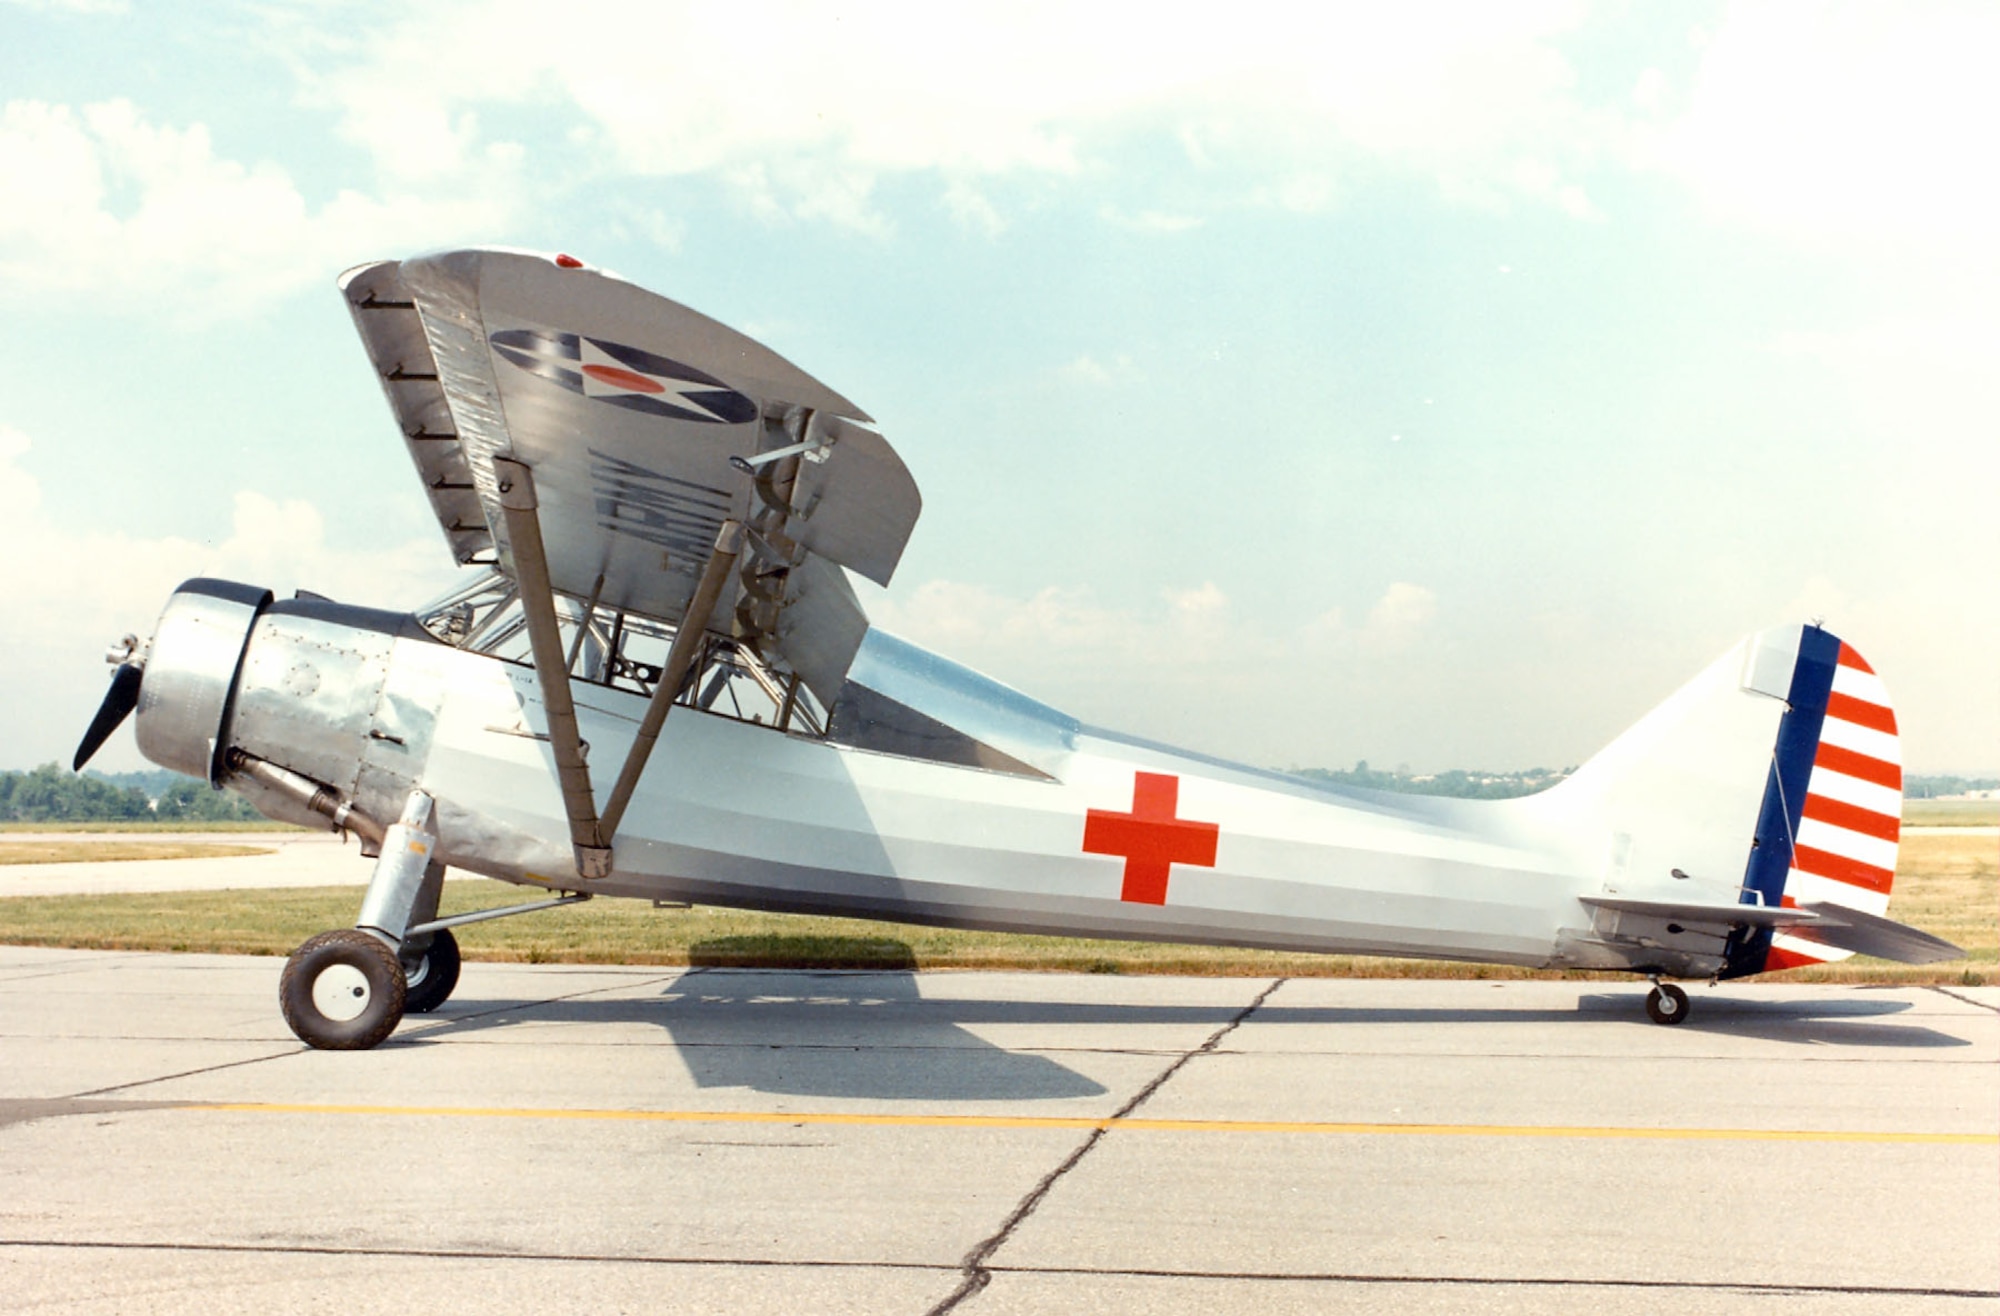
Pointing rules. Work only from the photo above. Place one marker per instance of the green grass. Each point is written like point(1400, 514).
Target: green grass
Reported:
point(99, 852)
point(1951, 813)
point(141, 826)
point(1947, 885)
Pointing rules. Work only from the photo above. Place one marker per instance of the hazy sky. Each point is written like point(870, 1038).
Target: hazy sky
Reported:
point(1431, 384)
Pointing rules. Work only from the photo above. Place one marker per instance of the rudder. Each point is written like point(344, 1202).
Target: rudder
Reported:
point(1832, 813)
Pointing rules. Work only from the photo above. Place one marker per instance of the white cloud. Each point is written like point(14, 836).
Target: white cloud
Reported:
point(141, 212)
point(804, 108)
point(74, 6)
point(1838, 122)
point(69, 592)
point(1149, 221)
point(971, 208)
point(1399, 618)
point(1088, 370)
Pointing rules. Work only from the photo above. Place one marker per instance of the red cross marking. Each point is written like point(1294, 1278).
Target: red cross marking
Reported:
point(1150, 838)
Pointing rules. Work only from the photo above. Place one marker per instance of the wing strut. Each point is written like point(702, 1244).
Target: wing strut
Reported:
point(538, 610)
point(687, 644)
point(590, 833)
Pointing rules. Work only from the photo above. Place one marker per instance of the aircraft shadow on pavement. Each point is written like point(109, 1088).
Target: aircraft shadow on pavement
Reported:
point(822, 1032)
point(869, 1033)
point(1840, 1022)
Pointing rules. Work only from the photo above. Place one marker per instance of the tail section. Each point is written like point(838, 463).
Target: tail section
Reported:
point(1749, 823)
point(1833, 803)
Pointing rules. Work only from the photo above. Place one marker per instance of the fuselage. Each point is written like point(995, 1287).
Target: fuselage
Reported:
point(938, 796)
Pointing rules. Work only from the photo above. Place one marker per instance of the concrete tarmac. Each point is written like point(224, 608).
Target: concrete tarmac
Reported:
point(566, 1138)
point(295, 859)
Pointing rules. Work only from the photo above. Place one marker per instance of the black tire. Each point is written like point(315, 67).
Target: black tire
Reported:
point(1667, 1004)
point(428, 983)
point(342, 990)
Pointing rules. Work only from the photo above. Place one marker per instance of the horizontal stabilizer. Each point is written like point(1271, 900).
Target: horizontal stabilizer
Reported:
point(1870, 934)
point(1706, 915)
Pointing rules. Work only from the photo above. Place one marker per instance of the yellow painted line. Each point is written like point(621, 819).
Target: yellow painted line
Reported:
point(1083, 1122)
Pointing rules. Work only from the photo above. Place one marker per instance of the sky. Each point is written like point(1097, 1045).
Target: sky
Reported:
point(1434, 384)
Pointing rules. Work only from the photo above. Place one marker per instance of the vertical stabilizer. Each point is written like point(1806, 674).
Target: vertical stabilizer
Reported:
point(1833, 802)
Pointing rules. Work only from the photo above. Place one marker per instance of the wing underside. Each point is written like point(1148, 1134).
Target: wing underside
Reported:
point(646, 426)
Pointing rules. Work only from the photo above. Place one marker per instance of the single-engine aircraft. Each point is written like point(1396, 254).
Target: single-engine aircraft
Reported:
point(666, 510)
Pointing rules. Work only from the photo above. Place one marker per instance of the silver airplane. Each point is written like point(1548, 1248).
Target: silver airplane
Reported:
point(666, 511)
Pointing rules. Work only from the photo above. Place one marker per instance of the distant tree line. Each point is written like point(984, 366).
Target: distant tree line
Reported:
point(1457, 783)
point(51, 794)
point(1929, 788)
point(1464, 785)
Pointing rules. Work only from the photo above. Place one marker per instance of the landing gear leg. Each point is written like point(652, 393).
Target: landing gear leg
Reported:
point(347, 990)
point(430, 959)
point(1666, 1003)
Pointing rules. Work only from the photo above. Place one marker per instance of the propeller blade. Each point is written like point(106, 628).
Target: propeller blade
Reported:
point(119, 701)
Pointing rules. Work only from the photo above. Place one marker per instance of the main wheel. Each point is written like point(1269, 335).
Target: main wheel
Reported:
point(1667, 1004)
point(427, 983)
point(342, 990)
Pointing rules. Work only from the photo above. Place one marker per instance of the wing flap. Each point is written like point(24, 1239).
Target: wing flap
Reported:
point(855, 505)
point(821, 627)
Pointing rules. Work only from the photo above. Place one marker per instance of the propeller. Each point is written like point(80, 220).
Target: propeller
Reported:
point(119, 701)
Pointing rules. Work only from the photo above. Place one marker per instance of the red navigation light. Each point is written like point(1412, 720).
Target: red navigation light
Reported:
point(568, 261)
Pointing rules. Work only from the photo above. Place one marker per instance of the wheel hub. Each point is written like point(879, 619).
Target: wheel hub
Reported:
point(340, 992)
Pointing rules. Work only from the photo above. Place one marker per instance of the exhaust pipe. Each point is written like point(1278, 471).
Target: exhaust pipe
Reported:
point(308, 794)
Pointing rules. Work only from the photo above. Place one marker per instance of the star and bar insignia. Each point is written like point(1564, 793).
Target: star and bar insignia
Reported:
point(624, 376)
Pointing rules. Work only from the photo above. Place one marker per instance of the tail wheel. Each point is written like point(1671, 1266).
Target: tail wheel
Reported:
point(428, 981)
point(1667, 1004)
point(342, 990)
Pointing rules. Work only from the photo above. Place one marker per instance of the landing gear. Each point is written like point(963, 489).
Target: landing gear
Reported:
point(347, 990)
point(430, 977)
point(342, 990)
point(1667, 1004)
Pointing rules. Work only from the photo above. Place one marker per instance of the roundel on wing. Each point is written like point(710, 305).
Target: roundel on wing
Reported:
point(623, 376)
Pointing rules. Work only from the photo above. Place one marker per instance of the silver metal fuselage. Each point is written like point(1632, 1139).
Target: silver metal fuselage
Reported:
point(735, 813)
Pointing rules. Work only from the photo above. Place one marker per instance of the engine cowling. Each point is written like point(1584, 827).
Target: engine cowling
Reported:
point(190, 675)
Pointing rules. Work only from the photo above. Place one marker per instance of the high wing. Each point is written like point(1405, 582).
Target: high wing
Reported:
point(646, 426)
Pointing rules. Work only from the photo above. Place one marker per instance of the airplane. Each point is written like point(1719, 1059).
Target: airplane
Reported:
point(664, 513)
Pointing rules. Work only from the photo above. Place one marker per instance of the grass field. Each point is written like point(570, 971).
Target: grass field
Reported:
point(100, 852)
point(1951, 813)
point(1947, 884)
point(161, 828)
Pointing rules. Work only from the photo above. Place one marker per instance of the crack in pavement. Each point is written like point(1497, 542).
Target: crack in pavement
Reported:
point(1966, 1000)
point(426, 1029)
point(186, 1073)
point(467, 1254)
point(977, 1273)
point(1771, 1288)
